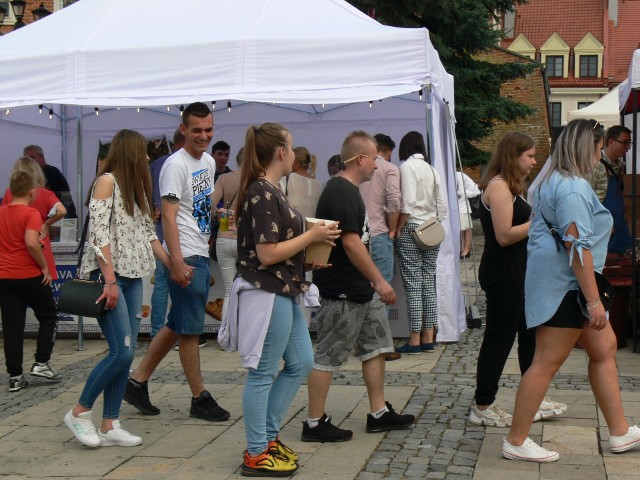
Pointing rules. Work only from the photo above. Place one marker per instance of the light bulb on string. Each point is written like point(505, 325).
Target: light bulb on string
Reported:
point(370, 103)
point(51, 114)
point(138, 109)
point(7, 111)
point(213, 105)
point(420, 94)
point(229, 106)
point(181, 109)
point(168, 108)
point(40, 107)
point(323, 105)
point(97, 110)
point(118, 108)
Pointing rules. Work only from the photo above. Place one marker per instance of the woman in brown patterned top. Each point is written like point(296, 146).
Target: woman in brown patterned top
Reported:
point(271, 243)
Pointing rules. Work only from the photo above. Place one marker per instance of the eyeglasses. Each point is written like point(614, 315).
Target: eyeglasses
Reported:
point(625, 143)
point(353, 158)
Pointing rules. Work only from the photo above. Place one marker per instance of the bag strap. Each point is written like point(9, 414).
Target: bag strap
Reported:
point(552, 230)
point(85, 228)
point(435, 196)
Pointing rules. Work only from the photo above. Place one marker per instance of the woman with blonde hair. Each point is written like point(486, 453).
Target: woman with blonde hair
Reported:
point(301, 187)
point(121, 246)
point(50, 208)
point(568, 241)
point(267, 317)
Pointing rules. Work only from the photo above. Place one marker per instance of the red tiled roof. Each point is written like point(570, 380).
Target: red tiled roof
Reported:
point(571, 19)
point(577, 82)
point(623, 39)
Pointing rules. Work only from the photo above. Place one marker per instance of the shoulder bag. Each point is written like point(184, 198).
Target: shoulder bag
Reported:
point(78, 296)
point(430, 234)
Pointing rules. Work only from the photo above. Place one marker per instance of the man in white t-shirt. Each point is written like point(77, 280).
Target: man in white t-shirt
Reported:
point(186, 184)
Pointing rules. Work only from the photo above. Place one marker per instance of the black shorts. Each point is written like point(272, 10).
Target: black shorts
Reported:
point(569, 313)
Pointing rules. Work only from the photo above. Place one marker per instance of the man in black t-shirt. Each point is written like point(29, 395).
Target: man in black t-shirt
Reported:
point(350, 316)
point(55, 179)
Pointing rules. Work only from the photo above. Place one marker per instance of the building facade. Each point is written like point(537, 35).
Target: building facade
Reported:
point(585, 46)
point(10, 19)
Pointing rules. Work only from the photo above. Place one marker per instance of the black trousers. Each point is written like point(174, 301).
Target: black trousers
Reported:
point(505, 319)
point(15, 296)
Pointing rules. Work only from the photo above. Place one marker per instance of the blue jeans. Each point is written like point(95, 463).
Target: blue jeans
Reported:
point(159, 298)
point(268, 391)
point(120, 327)
point(382, 255)
point(186, 316)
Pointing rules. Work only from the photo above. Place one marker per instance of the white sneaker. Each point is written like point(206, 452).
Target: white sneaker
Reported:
point(626, 441)
point(494, 416)
point(83, 428)
point(44, 370)
point(118, 437)
point(529, 451)
point(549, 408)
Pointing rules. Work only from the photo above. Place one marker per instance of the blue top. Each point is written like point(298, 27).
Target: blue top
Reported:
point(563, 201)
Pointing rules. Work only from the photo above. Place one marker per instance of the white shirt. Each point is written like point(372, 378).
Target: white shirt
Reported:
point(419, 194)
point(466, 189)
point(191, 181)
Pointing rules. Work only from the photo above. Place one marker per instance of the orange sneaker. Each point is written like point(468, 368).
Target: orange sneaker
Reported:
point(282, 448)
point(270, 463)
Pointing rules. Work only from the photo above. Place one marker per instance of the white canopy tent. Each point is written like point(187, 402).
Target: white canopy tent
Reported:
point(319, 69)
point(606, 110)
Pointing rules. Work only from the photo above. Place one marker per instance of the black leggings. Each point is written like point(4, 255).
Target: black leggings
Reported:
point(505, 318)
point(15, 296)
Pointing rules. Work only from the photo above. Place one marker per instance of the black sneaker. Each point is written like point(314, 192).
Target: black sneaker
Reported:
point(389, 421)
point(325, 431)
point(137, 394)
point(17, 383)
point(206, 408)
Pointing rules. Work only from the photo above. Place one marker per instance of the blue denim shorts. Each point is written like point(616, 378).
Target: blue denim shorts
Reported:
point(186, 316)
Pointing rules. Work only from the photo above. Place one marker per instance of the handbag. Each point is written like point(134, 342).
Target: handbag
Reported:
point(430, 234)
point(78, 296)
point(605, 290)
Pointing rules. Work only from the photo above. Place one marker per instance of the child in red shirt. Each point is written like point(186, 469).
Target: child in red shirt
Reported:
point(25, 280)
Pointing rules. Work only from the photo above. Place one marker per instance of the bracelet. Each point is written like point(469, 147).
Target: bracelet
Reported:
point(109, 284)
point(593, 304)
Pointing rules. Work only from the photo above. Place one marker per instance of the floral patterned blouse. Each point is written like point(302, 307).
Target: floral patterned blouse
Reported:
point(128, 237)
point(267, 217)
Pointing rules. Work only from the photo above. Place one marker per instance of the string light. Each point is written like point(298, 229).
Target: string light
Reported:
point(51, 114)
point(323, 105)
point(181, 109)
point(118, 108)
point(97, 110)
point(213, 105)
point(168, 108)
point(420, 94)
point(7, 111)
point(40, 107)
point(229, 105)
point(138, 109)
point(370, 103)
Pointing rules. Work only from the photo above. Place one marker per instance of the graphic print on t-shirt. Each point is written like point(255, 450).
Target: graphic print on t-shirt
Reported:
point(201, 184)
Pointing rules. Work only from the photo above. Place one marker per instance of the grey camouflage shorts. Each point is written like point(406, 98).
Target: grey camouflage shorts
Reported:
point(345, 325)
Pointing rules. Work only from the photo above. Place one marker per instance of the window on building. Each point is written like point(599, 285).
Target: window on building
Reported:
point(556, 114)
point(555, 64)
point(588, 65)
point(583, 104)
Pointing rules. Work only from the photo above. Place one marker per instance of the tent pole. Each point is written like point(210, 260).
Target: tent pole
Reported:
point(80, 207)
point(634, 211)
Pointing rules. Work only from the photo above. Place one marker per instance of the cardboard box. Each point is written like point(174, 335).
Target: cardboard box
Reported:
point(317, 252)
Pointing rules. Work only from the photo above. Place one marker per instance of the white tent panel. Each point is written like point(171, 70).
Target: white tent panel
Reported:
point(606, 110)
point(259, 50)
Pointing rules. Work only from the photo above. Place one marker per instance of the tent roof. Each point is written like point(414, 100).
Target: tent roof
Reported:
point(162, 52)
point(606, 110)
point(633, 81)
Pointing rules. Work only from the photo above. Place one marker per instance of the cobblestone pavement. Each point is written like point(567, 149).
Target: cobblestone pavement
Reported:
point(437, 388)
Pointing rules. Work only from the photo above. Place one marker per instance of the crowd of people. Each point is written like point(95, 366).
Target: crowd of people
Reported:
point(170, 218)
